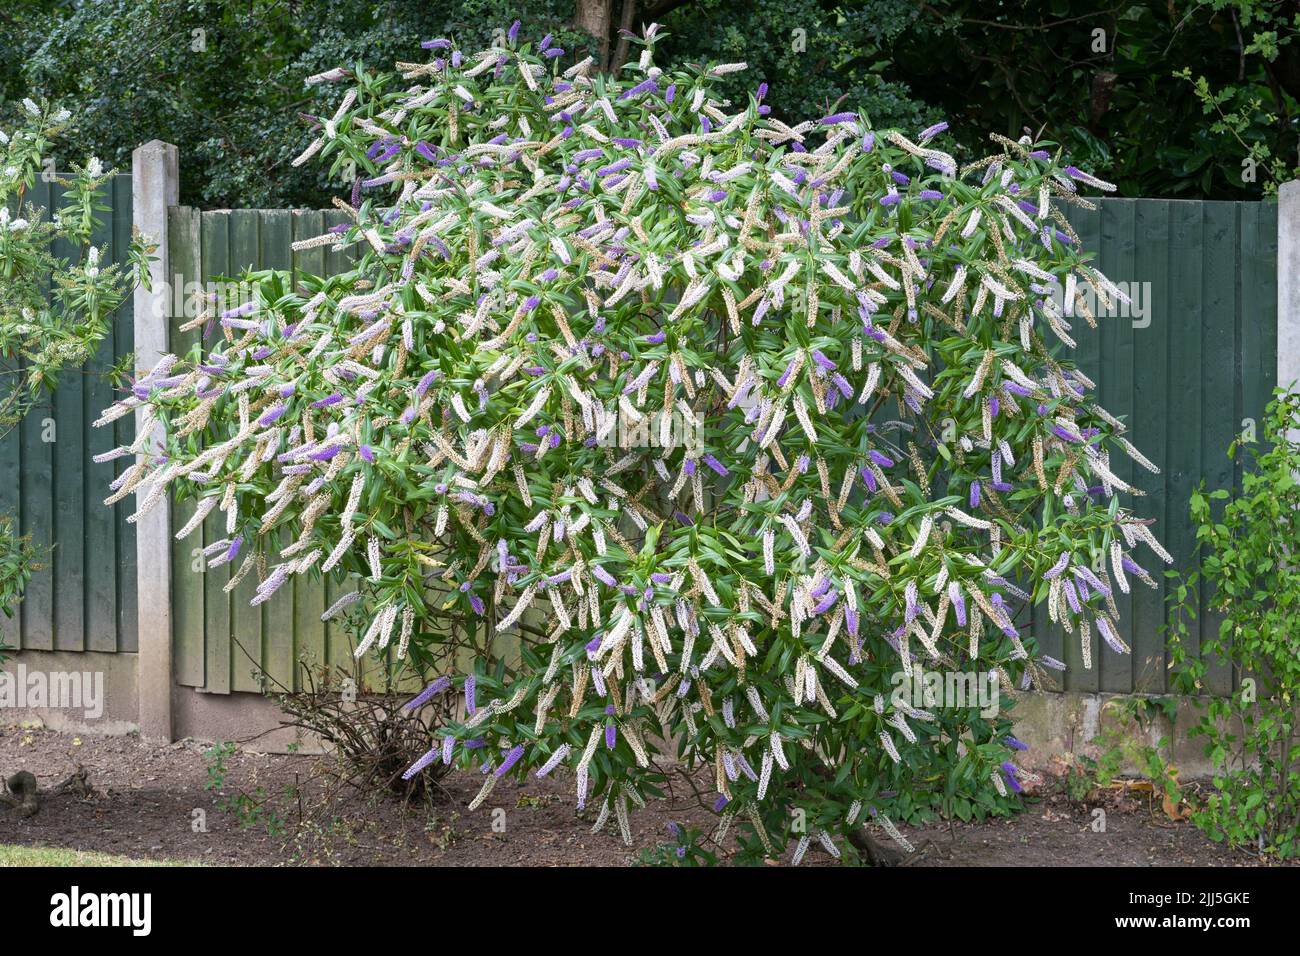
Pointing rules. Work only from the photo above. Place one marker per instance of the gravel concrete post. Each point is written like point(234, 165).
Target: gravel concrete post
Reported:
point(155, 185)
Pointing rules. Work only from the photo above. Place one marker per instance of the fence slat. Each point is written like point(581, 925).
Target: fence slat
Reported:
point(1220, 290)
point(65, 429)
point(309, 591)
point(11, 504)
point(38, 504)
point(124, 434)
point(1085, 674)
point(101, 568)
point(279, 638)
point(214, 259)
point(1183, 413)
point(247, 653)
point(188, 599)
point(1149, 415)
point(1116, 392)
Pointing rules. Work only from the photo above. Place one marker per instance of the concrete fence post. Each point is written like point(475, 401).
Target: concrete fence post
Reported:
point(1288, 284)
point(155, 185)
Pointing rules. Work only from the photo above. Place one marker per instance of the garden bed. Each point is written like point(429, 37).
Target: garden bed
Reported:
point(146, 799)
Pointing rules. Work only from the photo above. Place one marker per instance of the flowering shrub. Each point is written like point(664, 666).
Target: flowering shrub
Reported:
point(56, 302)
point(733, 424)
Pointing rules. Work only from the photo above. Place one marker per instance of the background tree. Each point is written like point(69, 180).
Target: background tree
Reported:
point(222, 78)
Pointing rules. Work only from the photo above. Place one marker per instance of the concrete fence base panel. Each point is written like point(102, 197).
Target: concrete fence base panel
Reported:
point(1213, 328)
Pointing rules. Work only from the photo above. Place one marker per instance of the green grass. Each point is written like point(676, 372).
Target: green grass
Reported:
point(57, 856)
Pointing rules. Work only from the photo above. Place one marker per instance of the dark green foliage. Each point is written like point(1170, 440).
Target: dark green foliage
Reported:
point(1165, 99)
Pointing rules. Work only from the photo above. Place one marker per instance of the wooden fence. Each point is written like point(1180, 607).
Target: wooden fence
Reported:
point(219, 641)
point(1188, 376)
point(1190, 368)
point(84, 598)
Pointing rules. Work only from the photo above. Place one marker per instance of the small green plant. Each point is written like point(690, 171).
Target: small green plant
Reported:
point(686, 848)
point(1252, 575)
point(248, 809)
point(216, 757)
point(1079, 781)
point(1125, 747)
point(1124, 738)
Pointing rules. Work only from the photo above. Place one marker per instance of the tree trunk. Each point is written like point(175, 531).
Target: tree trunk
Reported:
point(594, 16)
point(627, 18)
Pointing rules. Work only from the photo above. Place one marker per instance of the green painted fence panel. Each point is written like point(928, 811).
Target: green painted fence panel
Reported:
point(82, 597)
point(221, 644)
point(1190, 367)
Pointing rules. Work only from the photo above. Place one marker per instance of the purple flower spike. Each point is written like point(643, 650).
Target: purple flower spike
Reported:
point(272, 414)
point(930, 132)
point(645, 86)
point(510, 760)
point(423, 762)
point(1009, 771)
point(422, 698)
point(1060, 565)
point(785, 376)
point(716, 465)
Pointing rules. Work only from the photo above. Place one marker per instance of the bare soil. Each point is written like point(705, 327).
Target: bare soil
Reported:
point(164, 803)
